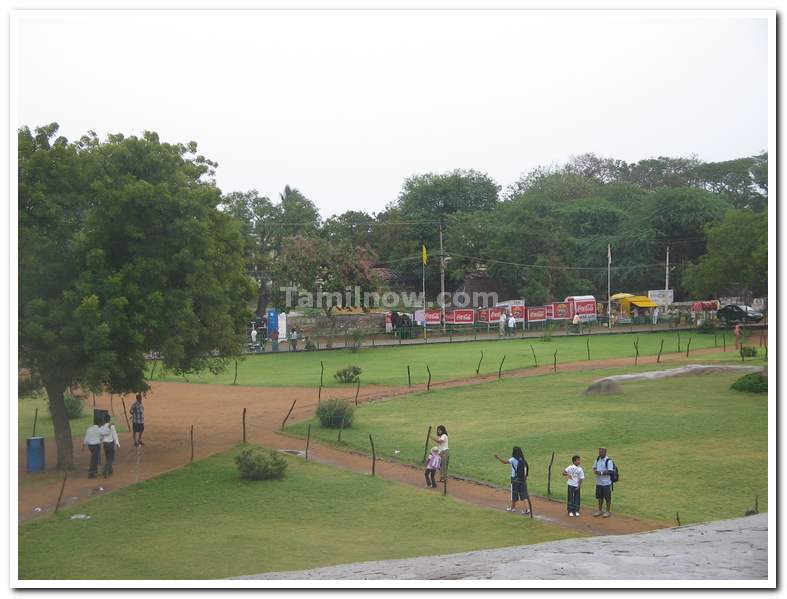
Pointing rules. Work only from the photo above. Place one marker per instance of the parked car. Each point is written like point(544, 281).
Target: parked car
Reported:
point(734, 313)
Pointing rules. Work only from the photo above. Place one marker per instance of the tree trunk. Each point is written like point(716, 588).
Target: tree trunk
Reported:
point(262, 300)
point(57, 407)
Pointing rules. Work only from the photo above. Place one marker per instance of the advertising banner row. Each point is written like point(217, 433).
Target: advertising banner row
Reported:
point(585, 308)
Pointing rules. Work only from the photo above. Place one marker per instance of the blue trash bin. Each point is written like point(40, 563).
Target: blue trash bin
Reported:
point(36, 456)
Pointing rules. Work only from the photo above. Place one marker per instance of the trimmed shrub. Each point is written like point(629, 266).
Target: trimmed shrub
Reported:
point(310, 345)
point(331, 411)
point(749, 352)
point(256, 463)
point(355, 337)
point(751, 383)
point(348, 374)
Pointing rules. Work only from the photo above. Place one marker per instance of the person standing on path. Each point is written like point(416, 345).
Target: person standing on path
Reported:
point(137, 412)
point(519, 471)
point(575, 475)
point(603, 468)
point(432, 464)
point(109, 439)
point(502, 322)
point(511, 325)
point(294, 340)
point(93, 442)
point(738, 336)
point(442, 448)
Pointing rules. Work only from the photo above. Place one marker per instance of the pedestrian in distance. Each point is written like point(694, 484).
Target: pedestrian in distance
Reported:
point(294, 340)
point(442, 447)
point(604, 469)
point(110, 441)
point(738, 336)
point(511, 325)
point(137, 412)
point(502, 322)
point(519, 471)
point(93, 442)
point(432, 465)
point(575, 475)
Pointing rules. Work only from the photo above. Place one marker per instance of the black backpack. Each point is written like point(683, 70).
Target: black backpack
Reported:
point(615, 476)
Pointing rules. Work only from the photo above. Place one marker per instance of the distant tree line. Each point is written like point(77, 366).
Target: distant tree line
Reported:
point(544, 237)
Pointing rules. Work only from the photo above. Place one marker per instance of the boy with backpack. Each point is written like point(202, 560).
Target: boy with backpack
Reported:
point(519, 471)
point(606, 474)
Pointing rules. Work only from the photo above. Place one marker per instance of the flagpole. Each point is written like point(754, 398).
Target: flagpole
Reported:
point(423, 291)
point(609, 286)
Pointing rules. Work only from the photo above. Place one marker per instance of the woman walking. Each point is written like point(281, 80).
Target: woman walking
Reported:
point(442, 448)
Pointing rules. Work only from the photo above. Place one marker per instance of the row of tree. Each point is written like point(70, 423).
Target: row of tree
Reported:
point(545, 237)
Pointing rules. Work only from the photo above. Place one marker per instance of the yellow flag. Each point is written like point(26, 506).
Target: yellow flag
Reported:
point(424, 257)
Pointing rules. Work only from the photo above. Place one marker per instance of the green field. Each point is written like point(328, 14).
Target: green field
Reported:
point(388, 366)
point(688, 444)
point(203, 521)
point(27, 409)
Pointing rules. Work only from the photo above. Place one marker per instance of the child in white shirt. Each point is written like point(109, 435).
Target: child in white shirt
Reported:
point(575, 475)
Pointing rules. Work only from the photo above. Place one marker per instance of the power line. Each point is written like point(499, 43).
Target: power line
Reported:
point(547, 267)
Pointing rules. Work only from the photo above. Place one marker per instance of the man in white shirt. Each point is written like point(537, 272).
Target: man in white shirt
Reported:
point(511, 325)
point(603, 468)
point(93, 442)
point(502, 322)
point(575, 475)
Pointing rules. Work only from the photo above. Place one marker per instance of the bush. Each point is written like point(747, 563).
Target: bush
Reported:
point(547, 334)
point(355, 337)
point(256, 463)
point(749, 352)
point(707, 326)
point(332, 411)
point(310, 345)
point(29, 383)
point(75, 406)
point(752, 383)
point(348, 374)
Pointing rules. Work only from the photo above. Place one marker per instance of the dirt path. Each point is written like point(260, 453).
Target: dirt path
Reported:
point(215, 411)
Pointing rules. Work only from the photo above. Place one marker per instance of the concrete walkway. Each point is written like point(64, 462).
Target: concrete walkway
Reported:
point(725, 550)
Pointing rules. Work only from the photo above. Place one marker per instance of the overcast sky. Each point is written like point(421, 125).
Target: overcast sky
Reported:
point(344, 105)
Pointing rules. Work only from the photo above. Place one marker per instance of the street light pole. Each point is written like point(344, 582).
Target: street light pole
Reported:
point(442, 279)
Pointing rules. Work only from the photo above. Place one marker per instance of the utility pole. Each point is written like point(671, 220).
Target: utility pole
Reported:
point(442, 279)
point(609, 286)
point(666, 273)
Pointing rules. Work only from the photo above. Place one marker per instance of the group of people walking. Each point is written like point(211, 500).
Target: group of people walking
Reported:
point(104, 435)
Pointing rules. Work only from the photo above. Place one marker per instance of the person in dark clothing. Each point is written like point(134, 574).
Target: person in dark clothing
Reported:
point(110, 441)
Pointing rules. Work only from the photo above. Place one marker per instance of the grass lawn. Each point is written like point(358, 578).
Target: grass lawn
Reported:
point(688, 444)
point(203, 521)
point(388, 366)
point(27, 409)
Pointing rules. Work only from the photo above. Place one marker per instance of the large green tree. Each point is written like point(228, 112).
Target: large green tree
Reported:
point(121, 251)
point(737, 258)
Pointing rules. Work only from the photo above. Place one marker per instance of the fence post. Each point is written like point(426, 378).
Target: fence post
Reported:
point(357, 390)
point(658, 358)
point(288, 414)
point(244, 425)
point(308, 438)
point(322, 370)
point(445, 476)
point(191, 459)
point(500, 370)
point(688, 347)
point(588, 346)
point(62, 488)
point(374, 455)
point(409, 382)
point(35, 421)
point(534, 355)
point(549, 475)
point(724, 340)
point(555, 366)
point(478, 368)
point(235, 380)
point(125, 412)
point(678, 341)
point(426, 444)
point(429, 382)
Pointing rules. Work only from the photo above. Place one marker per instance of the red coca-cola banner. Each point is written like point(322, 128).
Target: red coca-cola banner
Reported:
point(463, 316)
point(495, 313)
point(585, 307)
point(537, 313)
point(562, 311)
point(432, 316)
point(550, 311)
point(519, 313)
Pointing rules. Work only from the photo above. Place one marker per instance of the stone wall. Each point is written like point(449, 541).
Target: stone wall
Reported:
point(374, 322)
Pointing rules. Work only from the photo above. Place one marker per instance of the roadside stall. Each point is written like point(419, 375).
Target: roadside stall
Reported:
point(633, 309)
point(704, 311)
